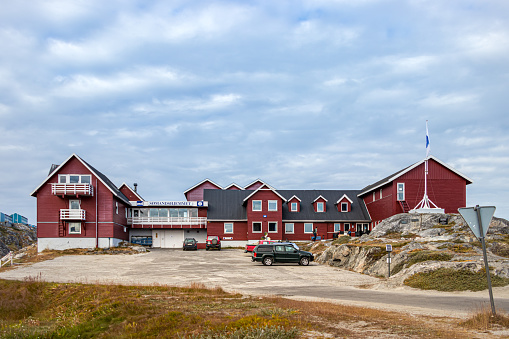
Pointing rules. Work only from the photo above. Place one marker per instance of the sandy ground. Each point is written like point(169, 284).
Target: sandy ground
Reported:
point(233, 271)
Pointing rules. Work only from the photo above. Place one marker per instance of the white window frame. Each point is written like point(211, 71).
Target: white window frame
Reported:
point(74, 224)
point(253, 205)
point(308, 223)
point(268, 226)
point(380, 193)
point(268, 205)
point(67, 178)
point(403, 191)
point(226, 231)
point(374, 195)
point(345, 228)
point(318, 205)
point(292, 226)
point(116, 207)
point(346, 207)
point(70, 204)
point(256, 222)
point(294, 207)
point(337, 227)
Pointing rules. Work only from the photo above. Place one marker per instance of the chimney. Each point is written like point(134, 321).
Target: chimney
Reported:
point(135, 187)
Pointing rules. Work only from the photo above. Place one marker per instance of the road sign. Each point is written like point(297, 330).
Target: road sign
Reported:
point(470, 216)
point(388, 248)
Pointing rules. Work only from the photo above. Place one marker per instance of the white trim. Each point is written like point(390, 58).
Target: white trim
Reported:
point(132, 191)
point(252, 206)
point(69, 227)
point(228, 223)
point(319, 198)
point(268, 226)
point(261, 181)
point(234, 184)
point(266, 189)
point(391, 179)
point(320, 203)
point(342, 207)
point(261, 227)
point(293, 227)
point(344, 196)
point(312, 227)
point(201, 182)
point(296, 207)
point(339, 227)
point(294, 196)
point(397, 191)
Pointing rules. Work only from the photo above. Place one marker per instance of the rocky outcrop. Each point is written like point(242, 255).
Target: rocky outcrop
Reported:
point(421, 243)
point(15, 237)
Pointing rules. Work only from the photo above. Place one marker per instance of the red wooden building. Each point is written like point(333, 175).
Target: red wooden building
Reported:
point(79, 207)
point(402, 191)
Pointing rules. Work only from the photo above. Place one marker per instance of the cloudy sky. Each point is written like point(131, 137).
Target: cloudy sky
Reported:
point(302, 94)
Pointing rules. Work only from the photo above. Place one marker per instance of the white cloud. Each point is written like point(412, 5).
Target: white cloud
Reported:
point(451, 99)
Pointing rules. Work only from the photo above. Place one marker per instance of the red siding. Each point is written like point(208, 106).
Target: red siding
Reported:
point(264, 216)
point(196, 194)
point(128, 193)
point(254, 186)
point(239, 230)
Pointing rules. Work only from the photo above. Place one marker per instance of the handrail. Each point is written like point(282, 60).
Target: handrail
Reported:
point(72, 214)
point(168, 220)
point(72, 189)
point(6, 258)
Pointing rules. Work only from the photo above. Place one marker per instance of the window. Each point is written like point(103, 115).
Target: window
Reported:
point(308, 228)
point(401, 191)
point(272, 205)
point(289, 228)
point(319, 206)
point(344, 207)
point(74, 204)
point(116, 207)
point(380, 193)
point(74, 228)
point(347, 227)
point(293, 207)
point(257, 205)
point(74, 179)
point(228, 227)
point(272, 227)
point(374, 196)
point(337, 228)
point(257, 227)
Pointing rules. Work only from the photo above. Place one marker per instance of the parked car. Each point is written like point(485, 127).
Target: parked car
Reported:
point(213, 241)
point(250, 247)
point(281, 252)
point(190, 244)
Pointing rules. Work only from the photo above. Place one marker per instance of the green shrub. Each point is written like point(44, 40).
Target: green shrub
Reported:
point(422, 256)
point(449, 279)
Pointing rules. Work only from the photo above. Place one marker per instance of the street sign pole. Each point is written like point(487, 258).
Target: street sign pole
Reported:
point(388, 248)
point(483, 243)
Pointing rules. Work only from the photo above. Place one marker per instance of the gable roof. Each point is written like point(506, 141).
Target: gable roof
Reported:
point(398, 174)
point(260, 181)
point(320, 196)
point(261, 188)
point(344, 196)
point(132, 191)
point(106, 182)
point(233, 185)
point(201, 182)
point(294, 196)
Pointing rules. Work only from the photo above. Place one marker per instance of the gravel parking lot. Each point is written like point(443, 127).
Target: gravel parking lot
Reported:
point(233, 270)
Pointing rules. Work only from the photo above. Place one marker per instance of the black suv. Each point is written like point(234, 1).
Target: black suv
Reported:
point(281, 252)
point(190, 244)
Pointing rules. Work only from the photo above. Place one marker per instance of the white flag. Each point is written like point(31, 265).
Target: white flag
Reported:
point(427, 140)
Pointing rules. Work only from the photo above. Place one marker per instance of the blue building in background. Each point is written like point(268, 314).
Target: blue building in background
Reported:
point(19, 219)
point(5, 218)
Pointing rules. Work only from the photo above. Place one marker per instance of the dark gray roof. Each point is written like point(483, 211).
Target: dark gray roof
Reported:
point(228, 205)
point(381, 182)
point(108, 182)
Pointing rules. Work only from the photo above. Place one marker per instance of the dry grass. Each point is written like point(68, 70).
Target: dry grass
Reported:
point(484, 320)
point(36, 309)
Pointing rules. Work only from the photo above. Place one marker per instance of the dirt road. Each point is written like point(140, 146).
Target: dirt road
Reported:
point(233, 271)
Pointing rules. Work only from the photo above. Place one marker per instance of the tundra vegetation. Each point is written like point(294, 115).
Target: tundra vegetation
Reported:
point(35, 309)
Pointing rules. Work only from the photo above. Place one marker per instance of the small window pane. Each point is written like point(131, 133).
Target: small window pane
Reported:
point(308, 228)
point(62, 179)
point(319, 207)
point(272, 227)
point(257, 205)
point(228, 228)
point(85, 179)
point(174, 212)
point(74, 204)
point(337, 227)
point(193, 212)
point(288, 228)
point(257, 227)
point(272, 205)
point(153, 213)
point(74, 228)
point(163, 212)
point(183, 213)
point(294, 207)
point(74, 179)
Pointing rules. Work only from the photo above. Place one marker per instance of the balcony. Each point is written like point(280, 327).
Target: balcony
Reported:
point(172, 222)
point(72, 189)
point(74, 214)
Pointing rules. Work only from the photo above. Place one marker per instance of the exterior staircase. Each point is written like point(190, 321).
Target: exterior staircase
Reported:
point(404, 206)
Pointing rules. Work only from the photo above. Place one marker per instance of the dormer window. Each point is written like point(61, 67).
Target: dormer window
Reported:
point(294, 204)
point(344, 204)
point(319, 207)
point(293, 207)
point(344, 207)
point(319, 204)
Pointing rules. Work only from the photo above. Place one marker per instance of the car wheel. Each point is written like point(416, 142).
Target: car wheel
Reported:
point(267, 261)
point(304, 261)
point(206, 248)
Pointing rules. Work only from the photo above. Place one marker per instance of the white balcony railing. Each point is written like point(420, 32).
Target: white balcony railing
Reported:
point(72, 189)
point(171, 221)
point(74, 214)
